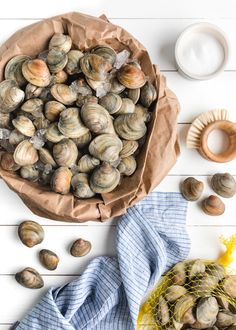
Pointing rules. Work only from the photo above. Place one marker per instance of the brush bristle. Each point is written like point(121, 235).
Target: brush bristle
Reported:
point(206, 118)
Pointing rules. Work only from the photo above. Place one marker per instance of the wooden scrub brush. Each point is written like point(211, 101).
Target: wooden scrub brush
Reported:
point(202, 126)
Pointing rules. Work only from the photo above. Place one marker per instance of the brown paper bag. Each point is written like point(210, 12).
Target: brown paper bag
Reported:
point(159, 153)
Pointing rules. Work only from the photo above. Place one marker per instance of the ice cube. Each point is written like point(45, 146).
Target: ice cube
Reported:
point(5, 144)
point(83, 90)
point(47, 169)
point(121, 58)
point(74, 169)
point(4, 134)
point(38, 140)
point(40, 165)
point(103, 89)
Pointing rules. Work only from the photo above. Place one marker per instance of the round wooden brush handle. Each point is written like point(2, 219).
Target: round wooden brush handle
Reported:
point(227, 155)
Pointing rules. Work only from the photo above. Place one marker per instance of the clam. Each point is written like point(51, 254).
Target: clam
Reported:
point(83, 140)
point(80, 248)
point(31, 233)
point(33, 106)
point(61, 42)
point(127, 166)
point(116, 86)
point(225, 319)
point(131, 76)
point(204, 285)
point(82, 99)
point(192, 189)
point(174, 292)
point(16, 137)
point(36, 72)
point(106, 52)
point(130, 126)
point(73, 66)
point(95, 67)
point(41, 123)
point(87, 163)
point(25, 154)
point(70, 124)
point(232, 327)
point(29, 172)
point(229, 286)
point(29, 278)
point(207, 310)
point(13, 69)
point(106, 147)
point(213, 205)
point(216, 270)
point(133, 94)
point(189, 317)
point(127, 106)
point(61, 180)
point(24, 125)
point(223, 302)
point(56, 60)
point(63, 94)
point(148, 94)
point(65, 153)
point(59, 77)
point(104, 179)
point(8, 163)
point(4, 120)
point(178, 274)
point(53, 110)
point(111, 102)
point(32, 91)
point(48, 259)
point(96, 118)
point(182, 306)
point(224, 184)
point(10, 96)
point(46, 157)
point(81, 187)
point(53, 134)
point(142, 112)
point(129, 148)
point(195, 268)
point(162, 313)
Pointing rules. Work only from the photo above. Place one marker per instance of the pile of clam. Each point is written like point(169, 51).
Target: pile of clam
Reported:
point(74, 120)
point(196, 295)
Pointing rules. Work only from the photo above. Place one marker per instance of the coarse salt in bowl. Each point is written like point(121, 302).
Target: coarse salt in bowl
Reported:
point(201, 51)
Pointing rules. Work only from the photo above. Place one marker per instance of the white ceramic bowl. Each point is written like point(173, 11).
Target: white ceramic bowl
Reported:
point(210, 31)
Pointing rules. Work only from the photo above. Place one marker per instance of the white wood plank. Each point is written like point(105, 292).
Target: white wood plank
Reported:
point(158, 35)
point(5, 326)
point(191, 162)
point(205, 244)
point(59, 240)
point(16, 301)
point(196, 97)
point(112, 8)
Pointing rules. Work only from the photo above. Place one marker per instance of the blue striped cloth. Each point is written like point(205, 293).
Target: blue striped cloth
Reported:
point(151, 237)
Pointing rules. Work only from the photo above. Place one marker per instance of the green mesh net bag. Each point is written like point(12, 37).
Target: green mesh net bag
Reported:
point(195, 294)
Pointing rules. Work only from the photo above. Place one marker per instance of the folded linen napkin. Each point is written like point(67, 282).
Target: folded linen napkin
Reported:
point(151, 237)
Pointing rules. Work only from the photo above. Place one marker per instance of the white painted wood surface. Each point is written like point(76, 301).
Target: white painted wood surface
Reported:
point(156, 23)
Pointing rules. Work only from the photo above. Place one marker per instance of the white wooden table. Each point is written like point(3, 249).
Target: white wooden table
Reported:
point(156, 23)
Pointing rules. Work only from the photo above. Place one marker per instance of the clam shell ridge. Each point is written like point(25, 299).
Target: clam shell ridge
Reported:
point(31, 233)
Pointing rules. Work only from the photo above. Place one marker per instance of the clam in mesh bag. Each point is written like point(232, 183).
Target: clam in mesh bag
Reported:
point(196, 294)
